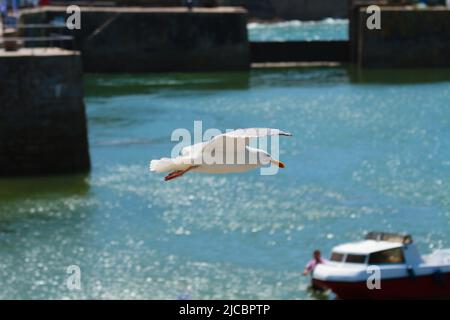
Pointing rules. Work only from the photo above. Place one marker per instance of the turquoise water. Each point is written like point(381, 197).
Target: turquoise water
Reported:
point(327, 29)
point(371, 151)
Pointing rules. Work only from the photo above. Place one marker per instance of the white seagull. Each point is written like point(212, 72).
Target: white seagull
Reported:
point(193, 158)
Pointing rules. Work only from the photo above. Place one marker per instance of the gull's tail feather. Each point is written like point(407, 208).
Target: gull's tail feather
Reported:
point(163, 165)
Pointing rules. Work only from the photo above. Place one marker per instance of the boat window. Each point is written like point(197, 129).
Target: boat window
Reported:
point(387, 256)
point(355, 258)
point(336, 256)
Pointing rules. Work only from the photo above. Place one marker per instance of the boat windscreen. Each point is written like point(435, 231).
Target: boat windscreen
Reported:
point(337, 257)
point(390, 256)
point(356, 258)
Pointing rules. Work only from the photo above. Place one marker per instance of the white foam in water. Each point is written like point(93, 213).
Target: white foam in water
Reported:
point(327, 29)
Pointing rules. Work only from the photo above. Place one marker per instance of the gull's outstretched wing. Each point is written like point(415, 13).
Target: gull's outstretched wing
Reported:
point(239, 138)
point(254, 133)
point(192, 150)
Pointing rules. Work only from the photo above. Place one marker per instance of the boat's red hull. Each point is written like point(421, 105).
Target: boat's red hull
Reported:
point(421, 287)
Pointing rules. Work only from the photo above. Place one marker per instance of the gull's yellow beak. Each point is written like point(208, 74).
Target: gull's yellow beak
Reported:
point(278, 163)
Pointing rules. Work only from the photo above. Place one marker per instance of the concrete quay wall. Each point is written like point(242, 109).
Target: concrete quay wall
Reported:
point(132, 39)
point(409, 38)
point(42, 114)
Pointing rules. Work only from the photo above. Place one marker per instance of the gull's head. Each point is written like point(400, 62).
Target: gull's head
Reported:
point(265, 158)
point(277, 163)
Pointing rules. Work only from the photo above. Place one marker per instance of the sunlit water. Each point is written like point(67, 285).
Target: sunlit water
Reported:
point(366, 155)
point(327, 29)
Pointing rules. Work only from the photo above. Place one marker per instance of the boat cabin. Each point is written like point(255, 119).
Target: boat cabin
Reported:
point(378, 248)
point(403, 272)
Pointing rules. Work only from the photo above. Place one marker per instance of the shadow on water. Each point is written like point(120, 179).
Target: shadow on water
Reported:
point(23, 188)
point(125, 84)
point(298, 76)
point(333, 75)
point(397, 76)
point(319, 294)
point(24, 199)
point(106, 85)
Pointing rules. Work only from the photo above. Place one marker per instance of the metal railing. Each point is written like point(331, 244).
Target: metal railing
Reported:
point(36, 36)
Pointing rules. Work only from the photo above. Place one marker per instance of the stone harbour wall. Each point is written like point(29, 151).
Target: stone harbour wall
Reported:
point(132, 39)
point(42, 114)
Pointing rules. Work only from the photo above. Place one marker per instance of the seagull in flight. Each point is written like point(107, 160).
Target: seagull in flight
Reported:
point(231, 149)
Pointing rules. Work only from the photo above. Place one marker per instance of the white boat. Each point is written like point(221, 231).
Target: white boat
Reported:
point(402, 272)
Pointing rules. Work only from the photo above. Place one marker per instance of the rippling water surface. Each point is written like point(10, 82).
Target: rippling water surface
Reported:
point(370, 151)
point(327, 29)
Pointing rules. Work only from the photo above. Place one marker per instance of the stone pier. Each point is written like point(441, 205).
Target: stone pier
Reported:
point(142, 39)
point(42, 115)
point(409, 37)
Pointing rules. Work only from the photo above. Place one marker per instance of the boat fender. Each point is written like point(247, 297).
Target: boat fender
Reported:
point(438, 277)
point(411, 272)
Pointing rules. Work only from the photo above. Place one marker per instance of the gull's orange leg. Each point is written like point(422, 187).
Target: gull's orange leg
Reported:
point(178, 173)
point(172, 175)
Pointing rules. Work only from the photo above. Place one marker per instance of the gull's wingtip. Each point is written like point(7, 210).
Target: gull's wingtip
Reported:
point(287, 134)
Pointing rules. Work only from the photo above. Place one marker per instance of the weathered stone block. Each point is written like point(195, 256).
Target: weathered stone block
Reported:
point(42, 115)
point(408, 37)
point(133, 39)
